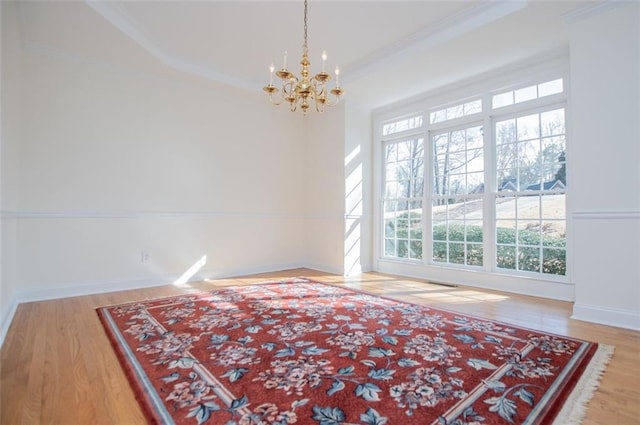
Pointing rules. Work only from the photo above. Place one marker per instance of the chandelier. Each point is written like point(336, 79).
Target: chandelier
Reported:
point(299, 91)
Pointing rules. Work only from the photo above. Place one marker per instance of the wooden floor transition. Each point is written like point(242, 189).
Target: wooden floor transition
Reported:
point(57, 366)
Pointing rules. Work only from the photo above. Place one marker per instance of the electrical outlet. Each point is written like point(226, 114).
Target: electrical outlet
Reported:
point(144, 256)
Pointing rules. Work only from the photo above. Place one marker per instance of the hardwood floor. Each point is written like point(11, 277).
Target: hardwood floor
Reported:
point(57, 366)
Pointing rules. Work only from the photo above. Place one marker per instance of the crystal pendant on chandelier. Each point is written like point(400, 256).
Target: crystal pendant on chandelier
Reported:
point(301, 90)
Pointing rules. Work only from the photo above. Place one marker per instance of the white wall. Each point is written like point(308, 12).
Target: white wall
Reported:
point(603, 169)
point(324, 189)
point(10, 95)
point(338, 189)
point(358, 186)
point(117, 162)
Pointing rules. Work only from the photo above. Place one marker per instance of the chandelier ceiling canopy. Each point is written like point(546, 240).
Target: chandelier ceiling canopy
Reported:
point(301, 90)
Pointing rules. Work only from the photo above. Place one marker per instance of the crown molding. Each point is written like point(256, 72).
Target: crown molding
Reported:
point(460, 23)
point(476, 16)
point(590, 10)
point(113, 13)
point(145, 214)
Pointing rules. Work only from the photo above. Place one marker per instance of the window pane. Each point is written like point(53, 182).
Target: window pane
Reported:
point(475, 183)
point(404, 151)
point(391, 172)
point(528, 232)
point(389, 206)
point(403, 248)
point(457, 141)
point(456, 231)
point(439, 230)
point(506, 233)
point(506, 208)
point(526, 93)
point(506, 131)
point(402, 227)
point(456, 111)
point(391, 190)
point(553, 233)
point(474, 231)
point(549, 88)
point(403, 169)
point(529, 259)
point(391, 152)
point(440, 252)
point(415, 231)
point(506, 158)
point(528, 127)
point(528, 178)
point(553, 207)
point(402, 125)
point(389, 228)
point(456, 253)
point(474, 138)
point(554, 261)
point(389, 248)
point(506, 257)
point(504, 99)
point(415, 249)
point(552, 122)
point(473, 107)
point(438, 116)
point(474, 254)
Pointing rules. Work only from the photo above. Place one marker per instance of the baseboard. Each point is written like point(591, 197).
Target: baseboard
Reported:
point(324, 268)
point(7, 319)
point(56, 292)
point(222, 274)
point(66, 291)
point(619, 318)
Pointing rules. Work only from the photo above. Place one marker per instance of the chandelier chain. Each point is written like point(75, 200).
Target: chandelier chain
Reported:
point(305, 46)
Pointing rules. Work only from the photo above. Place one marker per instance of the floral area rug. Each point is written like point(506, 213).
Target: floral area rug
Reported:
point(302, 352)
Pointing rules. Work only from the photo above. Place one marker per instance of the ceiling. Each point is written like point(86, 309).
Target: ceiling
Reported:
point(386, 50)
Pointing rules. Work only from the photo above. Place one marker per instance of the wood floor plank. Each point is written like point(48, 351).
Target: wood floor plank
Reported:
point(58, 366)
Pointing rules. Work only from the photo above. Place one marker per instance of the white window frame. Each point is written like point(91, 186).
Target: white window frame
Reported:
point(487, 275)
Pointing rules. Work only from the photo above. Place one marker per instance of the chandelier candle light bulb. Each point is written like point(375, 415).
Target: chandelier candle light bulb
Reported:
point(299, 91)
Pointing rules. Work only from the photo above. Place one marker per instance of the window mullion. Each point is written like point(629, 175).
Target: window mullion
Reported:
point(490, 186)
point(427, 204)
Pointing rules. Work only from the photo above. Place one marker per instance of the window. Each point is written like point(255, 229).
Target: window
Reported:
point(402, 125)
point(458, 186)
point(457, 111)
point(527, 93)
point(530, 203)
point(479, 185)
point(403, 195)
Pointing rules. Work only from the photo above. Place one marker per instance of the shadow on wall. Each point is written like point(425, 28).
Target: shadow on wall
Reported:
point(353, 212)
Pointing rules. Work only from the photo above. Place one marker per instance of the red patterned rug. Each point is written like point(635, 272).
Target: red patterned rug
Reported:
point(302, 352)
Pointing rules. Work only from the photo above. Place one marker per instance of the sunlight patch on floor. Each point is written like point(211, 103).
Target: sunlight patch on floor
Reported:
point(191, 271)
point(460, 297)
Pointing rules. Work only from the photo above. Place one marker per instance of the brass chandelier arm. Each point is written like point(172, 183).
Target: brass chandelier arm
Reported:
point(299, 91)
